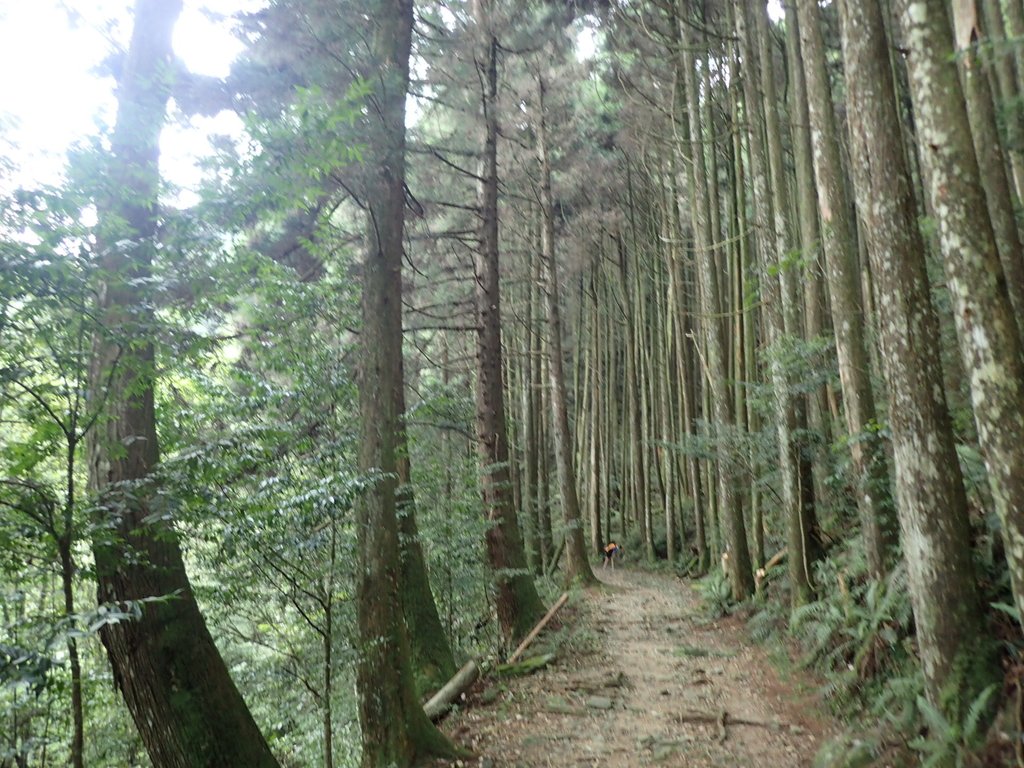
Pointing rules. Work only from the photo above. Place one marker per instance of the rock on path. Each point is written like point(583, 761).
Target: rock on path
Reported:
point(647, 686)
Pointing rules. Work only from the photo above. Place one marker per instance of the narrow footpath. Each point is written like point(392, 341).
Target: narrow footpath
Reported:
point(645, 678)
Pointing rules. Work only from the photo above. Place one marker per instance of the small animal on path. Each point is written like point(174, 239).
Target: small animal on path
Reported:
point(611, 551)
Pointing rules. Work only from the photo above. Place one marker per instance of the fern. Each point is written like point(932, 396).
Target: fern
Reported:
point(951, 742)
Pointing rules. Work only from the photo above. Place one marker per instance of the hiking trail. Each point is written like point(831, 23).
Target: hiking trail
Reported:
point(647, 686)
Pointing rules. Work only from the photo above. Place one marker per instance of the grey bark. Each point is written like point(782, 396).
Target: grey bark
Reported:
point(518, 604)
point(931, 504)
point(577, 564)
point(873, 491)
point(739, 567)
point(990, 345)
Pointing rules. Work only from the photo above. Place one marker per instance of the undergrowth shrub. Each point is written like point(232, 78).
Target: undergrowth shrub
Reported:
point(716, 593)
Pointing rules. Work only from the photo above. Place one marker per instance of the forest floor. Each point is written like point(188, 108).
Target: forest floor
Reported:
point(643, 677)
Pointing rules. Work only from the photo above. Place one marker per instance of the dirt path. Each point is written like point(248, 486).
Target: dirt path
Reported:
point(634, 688)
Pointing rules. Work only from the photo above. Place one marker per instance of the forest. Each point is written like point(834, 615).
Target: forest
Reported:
point(476, 289)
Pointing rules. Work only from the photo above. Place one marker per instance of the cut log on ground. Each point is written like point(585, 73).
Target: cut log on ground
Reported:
point(442, 701)
point(762, 573)
point(537, 629)
point(524, 667)
point(723, 718)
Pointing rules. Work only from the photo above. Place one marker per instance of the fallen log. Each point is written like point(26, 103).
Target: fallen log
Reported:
point(525, 667)
point(723, 718)
point(762, 573)
point(537, 629)
point(442, 701)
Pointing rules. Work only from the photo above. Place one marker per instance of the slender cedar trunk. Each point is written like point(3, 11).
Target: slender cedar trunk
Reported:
point(644, 460)
point(509, 386)
point(174, 682)
point(583, 396)
point(518, 604)
point(612, 403)
point(747, 417)
point(680, 313)
point(395, 731)
point(700, 507)
point(665, 377)
point(989, 151)
point(739, 569)
point(597, 471)
point(780, 306)
point(877, 518)
point(631, 287)
point(577, 565)
point(547, 531)
point(447, 458)
point(583, 401)
point(745, 495)
point(931, 504)
point(1014, 12)
point(328, 655)
point(791, 299)
point(67, 576)
point(816, 400)
point(67, 570)
point(529, 420)
point(538, 409)
point(1004, 67)
point(990, 345)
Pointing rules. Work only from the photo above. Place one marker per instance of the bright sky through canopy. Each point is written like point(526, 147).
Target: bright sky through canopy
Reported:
point(50, 51)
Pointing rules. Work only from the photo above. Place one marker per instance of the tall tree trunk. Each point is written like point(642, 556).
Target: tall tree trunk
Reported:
point(815, 402)
point(741, 574)
point(177, 687)
point(989, 342)
point(1008, 81)
point(67, 570)
point(65, 542)
point(577, 564)
point(989, 151)
point(528, 416)
point(781, 304)
point(328, 652)
point(518, 604)
point(395, 730)
point(931, 504)
point(869, 464)
point(432, 659)
point(597, 472)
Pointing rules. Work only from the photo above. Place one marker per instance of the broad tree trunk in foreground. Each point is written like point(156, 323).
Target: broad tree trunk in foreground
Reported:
point(433, 662)
point(987, 329)
point(394, 728)
point(174, 682)
point(577, 564)
point(518, 604)
point(931, 504)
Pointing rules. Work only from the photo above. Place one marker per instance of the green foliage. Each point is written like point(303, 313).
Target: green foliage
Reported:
point(952, 743)
point(716, 593)
point(21, 667)
point(861, 629)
